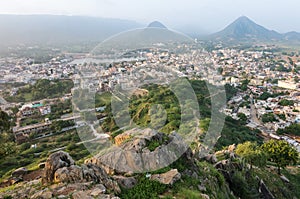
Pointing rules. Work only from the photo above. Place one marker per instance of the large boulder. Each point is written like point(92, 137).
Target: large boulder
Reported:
point(81, 195)
point(61, 168)
point(92, 172)
point(211, 158)
point(19, 173)
point(126, 182)
point(97, 190)
point(56, 161)
point(73, 173)
point(119, 139)
point(134, 155)
point(43, 194)
point(168, 178)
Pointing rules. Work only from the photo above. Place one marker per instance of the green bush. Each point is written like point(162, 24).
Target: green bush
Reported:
point(239, 185)
point(145, 189)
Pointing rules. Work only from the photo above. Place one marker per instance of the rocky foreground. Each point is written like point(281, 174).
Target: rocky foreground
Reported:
point(213, 176)
point(62, 178)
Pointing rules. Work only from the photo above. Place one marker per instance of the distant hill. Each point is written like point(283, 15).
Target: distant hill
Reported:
point(156, 24)
point(291, 36)
point(244, 28)
point(155, 34)
point(59, 29)
point(16, 29)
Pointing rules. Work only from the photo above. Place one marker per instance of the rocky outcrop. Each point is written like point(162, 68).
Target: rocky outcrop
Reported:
point(54, 162)
point(85, 173)
point(211, 158)
point(126, 182)
point(73, 173)
point(204, 196)
point(60, 168)
point(231, 148)
point(119, 139)
point(228, 165)
point(168, 178)
point(19, 173)
point(43, 194)
point(134, 155)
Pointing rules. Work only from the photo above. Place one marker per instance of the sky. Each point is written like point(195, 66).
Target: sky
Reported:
point(201, 15)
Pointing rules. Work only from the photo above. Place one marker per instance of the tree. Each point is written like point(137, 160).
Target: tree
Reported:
point(7, 148)
point(286, 102)
point(4, 121)
point(293, 129)
point(268, 117)
point(244, 85)
point(243, 118)
point(281, 153)
point(252, 154)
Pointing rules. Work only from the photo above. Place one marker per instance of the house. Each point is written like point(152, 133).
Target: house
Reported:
point(22, 133)
point(27, 111)
point(297, 120)
point(288, 85)
point(45, 110)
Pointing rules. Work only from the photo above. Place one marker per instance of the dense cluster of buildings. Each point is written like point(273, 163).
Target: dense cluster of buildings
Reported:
point(24, 70)
point(265, 71)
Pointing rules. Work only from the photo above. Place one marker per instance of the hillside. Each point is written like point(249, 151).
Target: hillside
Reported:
point(244, 30)
point(219, 175)
point(49, 29)
point(223, 173)
point(140, 109)
point(156, 24)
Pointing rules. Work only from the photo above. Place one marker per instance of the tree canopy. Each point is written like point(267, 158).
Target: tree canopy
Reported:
point(281, 153)
point(252, 154)
point(293, 129)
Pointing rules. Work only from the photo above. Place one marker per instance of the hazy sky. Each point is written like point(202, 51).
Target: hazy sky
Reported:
point(209, 15)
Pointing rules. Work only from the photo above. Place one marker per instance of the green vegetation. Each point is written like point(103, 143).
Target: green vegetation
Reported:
point(282, 116)
point(243, 118)
point(267, 95)
point(103, 99)
point(7, 144)
point(42, 89)
point(252, 154)
point(293, 129)
point(25, 156)
point(277, 186)
point(281, 153)
point(167, 116)
point(244, 85)
point(57, 126)
point(234, 133)
point(145, 189)
point(286, 102)
point(216, 185)
point(230, 91)
point(268, 117)
point(4, 121)
point(60, 108)
point(29, 121)
point(244, 184)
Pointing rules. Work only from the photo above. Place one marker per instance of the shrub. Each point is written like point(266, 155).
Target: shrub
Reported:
point(145, 189)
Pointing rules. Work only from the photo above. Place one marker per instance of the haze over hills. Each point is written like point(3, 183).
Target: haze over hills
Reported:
point(155, 34)
point(17, 29)
point(57, 29)
point(244, 28)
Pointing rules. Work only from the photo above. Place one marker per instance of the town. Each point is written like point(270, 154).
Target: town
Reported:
point(268, 82)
